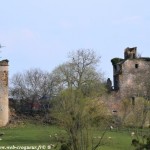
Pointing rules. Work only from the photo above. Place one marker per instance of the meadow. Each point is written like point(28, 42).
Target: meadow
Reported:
point(35, 136)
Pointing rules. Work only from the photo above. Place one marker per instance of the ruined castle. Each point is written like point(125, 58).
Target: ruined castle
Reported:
point(4, 106)
point(126, 69)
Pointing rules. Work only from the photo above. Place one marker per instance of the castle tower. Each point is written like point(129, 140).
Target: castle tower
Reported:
point(4, 108)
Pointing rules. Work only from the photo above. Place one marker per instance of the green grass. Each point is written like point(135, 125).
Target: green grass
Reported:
point(35, 135)
point(28, 135)
point(117, 141)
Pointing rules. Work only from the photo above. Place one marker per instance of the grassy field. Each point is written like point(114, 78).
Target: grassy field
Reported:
point(41, 137)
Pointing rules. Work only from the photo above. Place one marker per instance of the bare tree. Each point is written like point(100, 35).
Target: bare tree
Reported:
point(30, 86)
point(83, 62)
point(32, 82)
point(80, 72)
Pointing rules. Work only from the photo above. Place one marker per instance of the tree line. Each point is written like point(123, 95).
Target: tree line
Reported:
point(69, 95)
point(34, 89)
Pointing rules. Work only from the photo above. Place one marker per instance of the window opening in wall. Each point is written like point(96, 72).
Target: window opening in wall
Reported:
point(136, 65)
point(133, 100)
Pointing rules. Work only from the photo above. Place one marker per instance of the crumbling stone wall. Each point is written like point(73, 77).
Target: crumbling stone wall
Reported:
point(125, 71)
point(130, 69)
point(4, 109)
point(130, 53)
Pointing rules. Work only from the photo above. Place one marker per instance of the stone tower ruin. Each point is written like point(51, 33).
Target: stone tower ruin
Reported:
point(4, 105)
point(126, 69)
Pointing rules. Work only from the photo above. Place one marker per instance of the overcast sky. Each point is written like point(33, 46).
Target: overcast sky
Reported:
point(41, 33)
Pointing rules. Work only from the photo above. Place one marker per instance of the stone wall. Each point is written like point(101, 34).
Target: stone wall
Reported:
point(4, 109)
point(130, 69)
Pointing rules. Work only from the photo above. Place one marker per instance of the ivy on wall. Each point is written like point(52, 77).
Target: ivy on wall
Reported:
point(114, 61)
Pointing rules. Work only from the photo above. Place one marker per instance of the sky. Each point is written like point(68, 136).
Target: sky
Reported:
point(41, 33)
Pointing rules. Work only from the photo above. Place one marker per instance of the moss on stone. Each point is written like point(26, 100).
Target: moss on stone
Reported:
point(114, 61)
